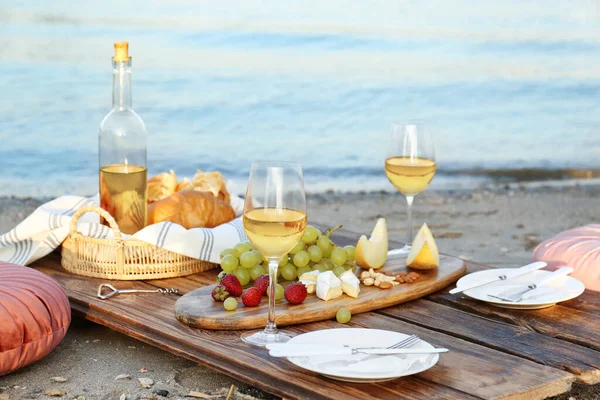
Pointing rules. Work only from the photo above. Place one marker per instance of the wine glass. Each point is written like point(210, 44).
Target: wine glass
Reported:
point(410, 167)
point(274, 221)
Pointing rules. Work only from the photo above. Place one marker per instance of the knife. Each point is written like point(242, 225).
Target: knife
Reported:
point(301, 350)
point(512, 274)
point(516, 296)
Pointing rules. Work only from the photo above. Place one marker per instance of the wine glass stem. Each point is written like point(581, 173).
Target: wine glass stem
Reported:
point(409, 203)
point(271, 328)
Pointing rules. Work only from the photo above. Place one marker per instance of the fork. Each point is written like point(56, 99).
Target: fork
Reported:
point(409, 341)
point(515, 296)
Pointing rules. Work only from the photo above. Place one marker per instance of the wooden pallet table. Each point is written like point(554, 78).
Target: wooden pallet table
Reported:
point(495, 353)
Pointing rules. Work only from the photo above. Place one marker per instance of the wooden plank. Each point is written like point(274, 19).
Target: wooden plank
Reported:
point(199, 310)
point(470, 370)
point(512, 339)
point(588, 302)
point(479, 370)
point(560, 322)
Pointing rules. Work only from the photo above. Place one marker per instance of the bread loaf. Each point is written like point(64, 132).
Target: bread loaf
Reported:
point(185, 184)
point(161, 186)
point(191, 209)
point(211, 182)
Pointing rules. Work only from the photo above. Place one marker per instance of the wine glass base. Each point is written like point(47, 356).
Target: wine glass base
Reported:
point(400, 252)
point(261, 339)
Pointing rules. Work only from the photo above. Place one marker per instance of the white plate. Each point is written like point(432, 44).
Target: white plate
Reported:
point(561, 289)
point(376, 368)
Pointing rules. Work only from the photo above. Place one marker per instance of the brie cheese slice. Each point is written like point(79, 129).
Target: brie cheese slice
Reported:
point(309, 276)
point(310, 286)
point(309, 280)
point(328, 286)
point(350, 284)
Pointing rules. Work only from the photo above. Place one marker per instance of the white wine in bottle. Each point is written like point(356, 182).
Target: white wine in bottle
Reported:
point(122, 152)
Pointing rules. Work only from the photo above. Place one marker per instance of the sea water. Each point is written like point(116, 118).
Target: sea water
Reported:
point(502, 85)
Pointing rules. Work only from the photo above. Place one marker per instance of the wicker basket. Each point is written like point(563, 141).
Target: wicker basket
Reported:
point(122, 259)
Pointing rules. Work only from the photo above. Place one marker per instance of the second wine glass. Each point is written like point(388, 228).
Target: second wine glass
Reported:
point(410, 166)
point(274, 221)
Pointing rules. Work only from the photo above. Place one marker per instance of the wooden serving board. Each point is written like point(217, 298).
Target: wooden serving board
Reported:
point(198, 309)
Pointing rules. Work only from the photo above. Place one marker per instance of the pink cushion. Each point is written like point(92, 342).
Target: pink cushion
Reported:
point(34, 316)
point(578, 248)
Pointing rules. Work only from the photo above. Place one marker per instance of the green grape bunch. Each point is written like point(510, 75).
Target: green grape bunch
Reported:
point(315, 251)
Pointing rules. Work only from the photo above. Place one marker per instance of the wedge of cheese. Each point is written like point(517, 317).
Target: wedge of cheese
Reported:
point(309, 280)
point(350, 284)
point(329, 286)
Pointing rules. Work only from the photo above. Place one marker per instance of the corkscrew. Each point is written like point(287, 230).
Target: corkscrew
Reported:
point(114, 291)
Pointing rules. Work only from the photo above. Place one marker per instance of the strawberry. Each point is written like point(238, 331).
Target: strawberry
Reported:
point(262, 283)
point(219, 293)
point(295, 293)
point(251, 297)
point(232, 284)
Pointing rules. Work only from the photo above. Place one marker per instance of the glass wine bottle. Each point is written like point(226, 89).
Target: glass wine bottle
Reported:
point(122, 152)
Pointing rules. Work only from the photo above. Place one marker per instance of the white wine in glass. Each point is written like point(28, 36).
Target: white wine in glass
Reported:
point(274, 232)
point(274, 221)
point(410, 176)
point(410, 166)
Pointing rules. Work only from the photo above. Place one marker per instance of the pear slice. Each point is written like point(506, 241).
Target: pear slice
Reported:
point(372, 253)
point(424, 252)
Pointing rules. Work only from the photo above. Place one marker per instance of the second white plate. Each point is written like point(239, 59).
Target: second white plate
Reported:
point(561, 289)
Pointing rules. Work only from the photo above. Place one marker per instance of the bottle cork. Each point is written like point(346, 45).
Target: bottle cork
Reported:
point(121, 52)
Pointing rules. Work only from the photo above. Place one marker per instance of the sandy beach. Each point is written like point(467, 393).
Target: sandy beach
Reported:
point(498, 227)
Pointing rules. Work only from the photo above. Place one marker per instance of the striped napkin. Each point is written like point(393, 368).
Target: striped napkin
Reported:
point(48, 226)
